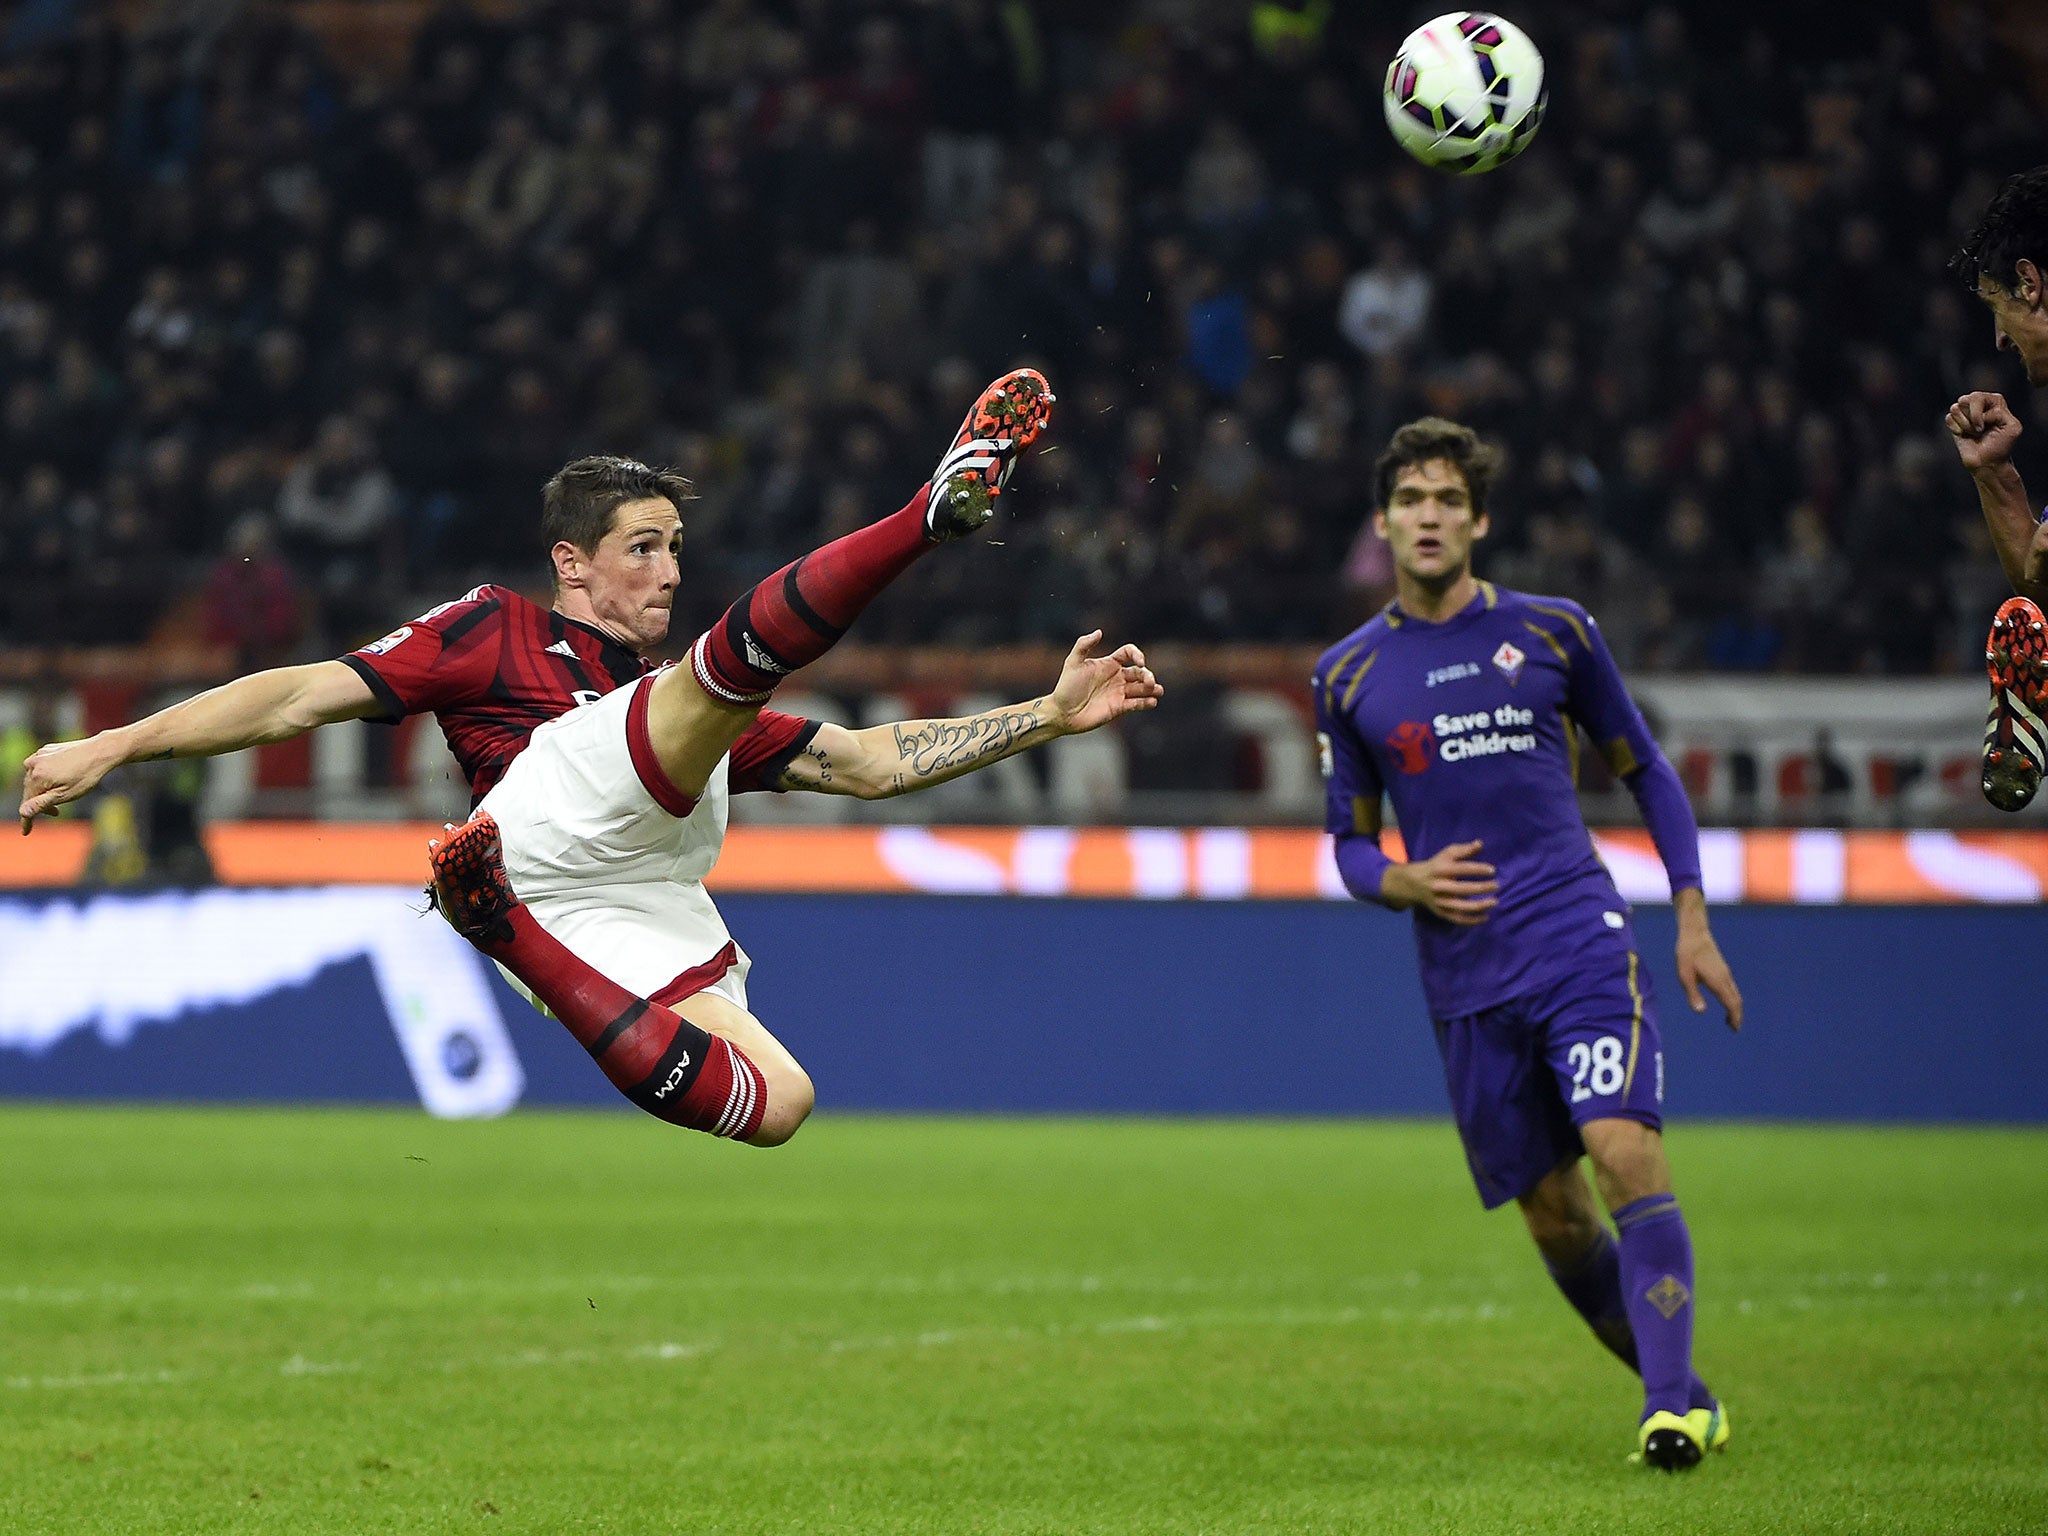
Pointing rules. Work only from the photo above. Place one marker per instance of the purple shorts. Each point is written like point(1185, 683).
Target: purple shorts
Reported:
point(1526, 1074)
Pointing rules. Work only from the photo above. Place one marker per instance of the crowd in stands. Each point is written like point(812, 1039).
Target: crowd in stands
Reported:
point(287, 348)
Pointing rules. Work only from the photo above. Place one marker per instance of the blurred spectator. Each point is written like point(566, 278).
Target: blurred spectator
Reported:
point(1803, 586)
point(1691, 209)
point(512, 188)
point(1386, 305)
point(1700, 576)
point(334, 513)
point(980, 57)
point(1225, 490)
point(1320, 431)
point(617, 393)
point(177, 853)
point(861, 306)
point(117, 856)
point(251, 600)
point(1219, 331)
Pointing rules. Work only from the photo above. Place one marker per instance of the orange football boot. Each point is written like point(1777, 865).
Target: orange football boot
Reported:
point(1005, 421)
point(2015, 741)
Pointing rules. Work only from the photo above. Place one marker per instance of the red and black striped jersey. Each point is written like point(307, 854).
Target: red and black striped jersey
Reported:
point(493, 665)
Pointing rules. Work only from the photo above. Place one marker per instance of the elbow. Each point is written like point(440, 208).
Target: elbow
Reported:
point(857, 781)
point(294, 718)
point(1364, 870)
point(1653, 767)
point(2032, 580)
point(301, 713)
point(1375, 893)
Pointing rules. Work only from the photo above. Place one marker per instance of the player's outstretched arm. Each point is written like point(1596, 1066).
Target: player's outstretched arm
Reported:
point(886, 760)
point(1699, 958)
point(1985, 430)
point(248, 712)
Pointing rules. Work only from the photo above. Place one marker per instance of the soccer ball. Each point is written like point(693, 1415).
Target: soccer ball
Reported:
point(1465, 93)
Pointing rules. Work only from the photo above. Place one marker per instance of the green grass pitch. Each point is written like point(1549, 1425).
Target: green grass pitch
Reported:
point(369, 1321)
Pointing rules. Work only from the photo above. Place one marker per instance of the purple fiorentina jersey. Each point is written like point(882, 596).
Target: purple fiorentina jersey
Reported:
point(1471, 728)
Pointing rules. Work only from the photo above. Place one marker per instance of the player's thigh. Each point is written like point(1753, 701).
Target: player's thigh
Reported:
point(689, 730)
point(575, 806)
point(1514, 1128)
point(1602, 1043)
point(1606, 1056)
point(790, 1094)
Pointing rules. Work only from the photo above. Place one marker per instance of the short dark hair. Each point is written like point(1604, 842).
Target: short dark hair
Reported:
point(2014, 228)
point(579, 501)
point(1432, 437)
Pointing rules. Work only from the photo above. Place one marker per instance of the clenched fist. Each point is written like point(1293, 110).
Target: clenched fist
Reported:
point(1984, 429)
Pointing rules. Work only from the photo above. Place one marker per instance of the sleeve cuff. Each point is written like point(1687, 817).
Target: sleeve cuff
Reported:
point(393, 707)
point(769, 774)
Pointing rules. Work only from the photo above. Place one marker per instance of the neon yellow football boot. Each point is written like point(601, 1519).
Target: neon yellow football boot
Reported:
point(1672, 1442)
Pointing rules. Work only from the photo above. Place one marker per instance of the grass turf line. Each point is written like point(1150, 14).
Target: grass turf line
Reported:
point(219, 1320)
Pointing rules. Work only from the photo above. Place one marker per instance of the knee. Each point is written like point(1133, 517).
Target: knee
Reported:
point(790, 1101)
point(1564, 1236)
point(1628, 1161)
point(1561, 1215)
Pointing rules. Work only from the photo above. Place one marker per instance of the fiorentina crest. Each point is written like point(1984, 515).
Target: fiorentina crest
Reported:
point(1509, 660)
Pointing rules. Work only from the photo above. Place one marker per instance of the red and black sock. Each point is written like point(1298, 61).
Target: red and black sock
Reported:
point(655, 1057)
point(799, 613)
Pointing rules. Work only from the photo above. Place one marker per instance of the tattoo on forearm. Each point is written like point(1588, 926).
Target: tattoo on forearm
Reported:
point(932, 746)
point(819, 771)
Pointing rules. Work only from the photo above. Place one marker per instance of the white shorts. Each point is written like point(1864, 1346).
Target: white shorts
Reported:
point(604, 867)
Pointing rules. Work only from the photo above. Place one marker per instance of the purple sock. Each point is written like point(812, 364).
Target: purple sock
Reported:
point(1656, 1276)
point(1593, 1286)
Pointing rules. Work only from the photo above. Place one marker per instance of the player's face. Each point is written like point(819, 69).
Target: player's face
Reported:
point(631, 579)
point(2019, 319)
point(1430, 523)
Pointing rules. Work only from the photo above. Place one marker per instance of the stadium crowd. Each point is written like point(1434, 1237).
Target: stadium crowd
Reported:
point(287, 348)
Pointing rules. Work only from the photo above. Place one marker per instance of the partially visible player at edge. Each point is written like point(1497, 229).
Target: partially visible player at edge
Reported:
point(2002, 262)
point(608, 780)
point(1461, 702)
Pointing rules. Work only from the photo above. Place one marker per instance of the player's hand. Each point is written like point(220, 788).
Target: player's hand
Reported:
point(1094, 690)
point(1985, 430)
point(1700, 965)
point(61, 772)
point(1451, 884)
